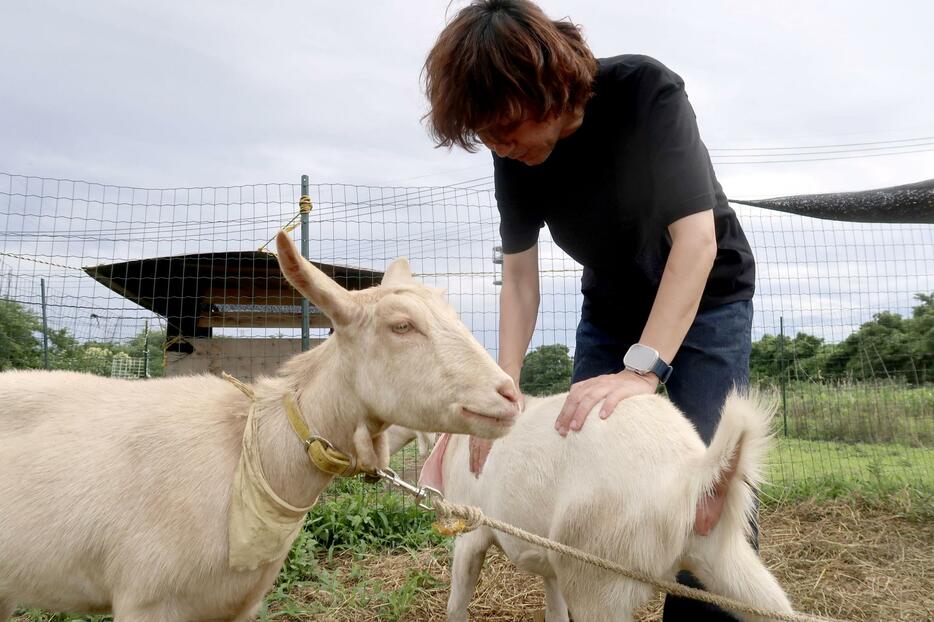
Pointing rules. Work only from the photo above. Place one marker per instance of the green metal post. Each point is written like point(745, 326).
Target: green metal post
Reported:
point(781, 370)
point(146, 349)
point(306, 310)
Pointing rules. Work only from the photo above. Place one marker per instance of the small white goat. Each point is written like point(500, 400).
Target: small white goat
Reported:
point(625, 489)
point(115, 495)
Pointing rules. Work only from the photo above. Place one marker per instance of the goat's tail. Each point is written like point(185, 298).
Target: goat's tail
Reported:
point(743, 431)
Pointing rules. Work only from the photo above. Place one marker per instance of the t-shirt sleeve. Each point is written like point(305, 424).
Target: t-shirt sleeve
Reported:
point(680, 165)
point(520, 217)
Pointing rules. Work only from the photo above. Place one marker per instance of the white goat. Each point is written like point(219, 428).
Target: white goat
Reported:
point(625, 489)
point(115, 495)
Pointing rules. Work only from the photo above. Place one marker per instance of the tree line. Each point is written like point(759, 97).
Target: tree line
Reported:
point(21, 346)
point(888, 347)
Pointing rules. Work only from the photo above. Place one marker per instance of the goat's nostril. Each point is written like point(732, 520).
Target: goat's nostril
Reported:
point(508, 390)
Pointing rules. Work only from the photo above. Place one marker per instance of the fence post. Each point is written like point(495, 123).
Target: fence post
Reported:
point(305, 207)
point(45, 328)
point(146, 349)
point(781, 370)
point(497, 261)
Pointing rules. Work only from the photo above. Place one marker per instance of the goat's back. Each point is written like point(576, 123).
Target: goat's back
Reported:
point(616, 474)
point(93, 466)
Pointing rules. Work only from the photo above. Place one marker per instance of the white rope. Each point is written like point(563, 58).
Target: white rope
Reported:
point(472, 517)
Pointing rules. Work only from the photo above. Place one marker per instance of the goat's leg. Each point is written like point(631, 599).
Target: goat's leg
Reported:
point(556, 610)
point(469, 552)
point(732, 568)
point(249, 613)
point(597, 595)
point(6, 610)
point(148, 615)
point(605, 601)
point(152, 612)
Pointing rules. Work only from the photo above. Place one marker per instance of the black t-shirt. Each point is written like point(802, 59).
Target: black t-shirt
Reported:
point(609, 191)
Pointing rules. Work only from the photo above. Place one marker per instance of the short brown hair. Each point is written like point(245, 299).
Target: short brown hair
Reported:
point(498, 60)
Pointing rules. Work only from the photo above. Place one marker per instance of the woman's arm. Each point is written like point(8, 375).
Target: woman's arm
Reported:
point(518, 310)
point(693, 250)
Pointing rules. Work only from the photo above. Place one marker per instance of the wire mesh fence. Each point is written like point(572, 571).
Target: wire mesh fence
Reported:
point(137, 281)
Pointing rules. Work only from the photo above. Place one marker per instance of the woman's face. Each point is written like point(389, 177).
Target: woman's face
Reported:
point(529, 141)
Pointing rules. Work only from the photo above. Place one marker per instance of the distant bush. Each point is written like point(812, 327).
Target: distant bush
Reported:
point(866, 412)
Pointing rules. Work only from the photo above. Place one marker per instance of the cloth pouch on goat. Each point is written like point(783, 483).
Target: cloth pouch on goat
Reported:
point(261, 526)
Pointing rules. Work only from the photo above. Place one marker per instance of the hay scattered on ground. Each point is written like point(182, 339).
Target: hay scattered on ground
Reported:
point(837, 559)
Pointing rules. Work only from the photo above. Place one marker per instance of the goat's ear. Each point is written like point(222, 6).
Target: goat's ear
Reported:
point(398, 273)
point(333, 300)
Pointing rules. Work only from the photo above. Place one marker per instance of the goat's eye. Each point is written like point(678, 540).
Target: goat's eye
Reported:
point(401, 327)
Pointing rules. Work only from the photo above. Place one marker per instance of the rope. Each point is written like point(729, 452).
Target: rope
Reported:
point(287, 227)
point(48, 263)
point(168, 344)
point(472, 517)
point(323, 455)
point(244, 387)
point(304, 207)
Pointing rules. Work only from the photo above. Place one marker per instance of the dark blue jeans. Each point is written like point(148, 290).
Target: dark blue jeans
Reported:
point(713, 357)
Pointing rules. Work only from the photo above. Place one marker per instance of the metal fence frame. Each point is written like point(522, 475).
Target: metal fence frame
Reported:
point(814, 276)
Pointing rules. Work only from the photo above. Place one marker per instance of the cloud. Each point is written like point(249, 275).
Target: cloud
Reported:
point(212, 93)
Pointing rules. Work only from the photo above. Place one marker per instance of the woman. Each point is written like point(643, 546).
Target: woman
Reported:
point(607, 153)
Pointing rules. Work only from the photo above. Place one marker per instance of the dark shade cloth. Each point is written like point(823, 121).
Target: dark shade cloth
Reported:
point(910, 203)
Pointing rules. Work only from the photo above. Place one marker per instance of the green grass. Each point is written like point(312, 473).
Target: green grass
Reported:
point(35, 615)
point(333, 585)
point(859, 413)
point(358, 517)
point(889, 475)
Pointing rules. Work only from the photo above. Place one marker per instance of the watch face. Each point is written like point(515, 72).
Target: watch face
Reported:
point(640, 357)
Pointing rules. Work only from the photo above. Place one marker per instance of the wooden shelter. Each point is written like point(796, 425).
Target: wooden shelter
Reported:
point(240, 289)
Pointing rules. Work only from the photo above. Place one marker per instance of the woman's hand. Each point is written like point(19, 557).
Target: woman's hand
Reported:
point(611, 388)
point(479, 448)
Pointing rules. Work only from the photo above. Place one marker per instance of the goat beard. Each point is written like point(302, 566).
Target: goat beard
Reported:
point(372, 449)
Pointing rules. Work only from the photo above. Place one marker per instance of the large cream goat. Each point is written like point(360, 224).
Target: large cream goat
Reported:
point(114, 495)
point(624, 488)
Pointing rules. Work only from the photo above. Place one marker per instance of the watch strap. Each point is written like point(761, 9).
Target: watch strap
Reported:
point(662, 370)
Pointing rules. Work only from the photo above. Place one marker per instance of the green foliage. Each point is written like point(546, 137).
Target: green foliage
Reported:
point(353, 589)
point(20, 348)
point(883, 475)
point(21, 341)
point(546, 370)
point(879, 412)
point(37, 615)
point(156, 340)
point(397, 602)
point(922, 332)
point(888, 347)
point(354, 515)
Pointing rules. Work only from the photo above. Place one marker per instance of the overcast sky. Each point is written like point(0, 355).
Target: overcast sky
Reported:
point(167, 94)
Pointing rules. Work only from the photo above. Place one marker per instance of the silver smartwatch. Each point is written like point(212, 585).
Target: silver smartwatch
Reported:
point(644, 360)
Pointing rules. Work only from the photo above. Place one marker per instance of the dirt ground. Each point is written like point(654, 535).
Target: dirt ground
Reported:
point(841, 560)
